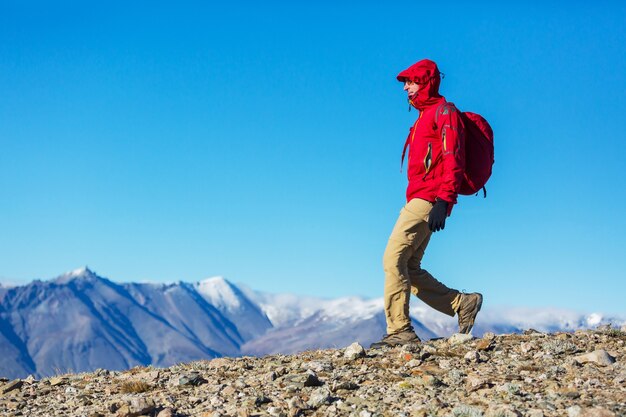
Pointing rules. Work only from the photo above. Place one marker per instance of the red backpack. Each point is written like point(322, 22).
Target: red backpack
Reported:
point(478, 152)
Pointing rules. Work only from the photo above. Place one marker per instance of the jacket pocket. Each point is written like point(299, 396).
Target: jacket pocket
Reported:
point(428, 159)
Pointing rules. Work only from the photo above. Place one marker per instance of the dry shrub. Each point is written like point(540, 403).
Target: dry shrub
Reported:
point(134, 387)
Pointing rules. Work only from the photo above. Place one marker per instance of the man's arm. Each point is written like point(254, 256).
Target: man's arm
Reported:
point(452, 133)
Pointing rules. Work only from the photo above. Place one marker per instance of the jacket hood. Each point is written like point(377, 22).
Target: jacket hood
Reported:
point(427, 75)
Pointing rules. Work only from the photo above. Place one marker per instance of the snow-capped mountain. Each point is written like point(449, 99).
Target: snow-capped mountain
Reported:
point(81, 321)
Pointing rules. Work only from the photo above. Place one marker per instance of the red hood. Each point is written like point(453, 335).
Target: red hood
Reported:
point(427, 75)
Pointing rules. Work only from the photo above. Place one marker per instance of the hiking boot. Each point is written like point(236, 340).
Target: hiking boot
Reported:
point(396, 339)
point(469, 306)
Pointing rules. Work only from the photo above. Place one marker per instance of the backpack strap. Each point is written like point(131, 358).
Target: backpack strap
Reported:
point(442, 105)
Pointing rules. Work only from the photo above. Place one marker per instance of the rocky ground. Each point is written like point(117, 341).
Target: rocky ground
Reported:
point(532, 374)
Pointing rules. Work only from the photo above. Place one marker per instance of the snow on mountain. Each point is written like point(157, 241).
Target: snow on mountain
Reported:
point(220, 293)
point(235, 305)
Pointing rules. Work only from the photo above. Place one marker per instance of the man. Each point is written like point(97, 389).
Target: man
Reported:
point(436, 163)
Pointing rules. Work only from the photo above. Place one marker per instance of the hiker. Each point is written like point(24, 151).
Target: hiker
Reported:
point(436, 163)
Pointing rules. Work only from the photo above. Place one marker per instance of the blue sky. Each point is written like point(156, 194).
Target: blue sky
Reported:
point(164, 142)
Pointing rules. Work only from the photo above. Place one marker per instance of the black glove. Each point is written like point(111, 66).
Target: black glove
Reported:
point(437, 216)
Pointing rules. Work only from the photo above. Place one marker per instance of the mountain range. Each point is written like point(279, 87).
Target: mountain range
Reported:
point(81, 321)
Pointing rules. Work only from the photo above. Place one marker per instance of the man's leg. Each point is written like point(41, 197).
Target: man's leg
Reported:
point(427, 288)
point(409, 232)
point(446, 300)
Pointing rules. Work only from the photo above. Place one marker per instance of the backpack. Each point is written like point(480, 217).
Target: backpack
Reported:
point(478, 152)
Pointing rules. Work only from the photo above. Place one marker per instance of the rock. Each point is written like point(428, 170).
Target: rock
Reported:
point(475, 382)
point(166, 412)
point(463, 410)
point(412, 348)
point(262, 400)
point(276, 412)
point(136, 407)
point(354, 351)
point(489, 336)
point(317, 366)
point(319, 397)
point(534, 413)
point(502, 411)
point(574, 411)
point(312, 380)
point(30, 379)
point(597, 412)
point(459, 339)
point(569, 392)
point(58, 380)
point(192, 378)
point(471, 356)
point(344, 385)
point(485, 344)
point(600, 357)
point(11, 386)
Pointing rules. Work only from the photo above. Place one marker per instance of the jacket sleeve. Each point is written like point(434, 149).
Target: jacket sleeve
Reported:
point(452, 133)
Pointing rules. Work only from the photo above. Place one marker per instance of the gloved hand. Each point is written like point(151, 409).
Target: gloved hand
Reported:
point(437, 216)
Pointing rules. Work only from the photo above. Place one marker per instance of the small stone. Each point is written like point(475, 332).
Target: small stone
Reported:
point(354, 351)
point(430, 381)
point(600, 357)
point(413, 363)
point(30, 379)
point(534, 413)
point(295, 403)
point(574, 411)
point(569, 393)
point(502, 411)
point(58, 380)
point(411, 348)
point(597, 412)
point(166, 412)
point(317, 366)
point(319, 397)
point(193, 378)
point(459, 339)
point(228, 391)
point(485, 344)
point(312, 380)
point(276, 412)
point(466, 410)
point(489, 336)
point(242, 412)
point(345, 385)
point(137, 407)
point(471, 356)
point(474, 382)
point(262, 400)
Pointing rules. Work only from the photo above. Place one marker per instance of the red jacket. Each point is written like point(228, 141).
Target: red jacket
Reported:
point(436, 143)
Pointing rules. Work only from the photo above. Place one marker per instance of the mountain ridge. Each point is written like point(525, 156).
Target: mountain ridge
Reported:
point(81, 321)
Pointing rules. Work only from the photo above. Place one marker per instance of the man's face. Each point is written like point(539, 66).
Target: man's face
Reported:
point(411, 88)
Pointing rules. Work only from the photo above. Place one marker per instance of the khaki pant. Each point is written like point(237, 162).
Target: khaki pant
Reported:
point(404, 274)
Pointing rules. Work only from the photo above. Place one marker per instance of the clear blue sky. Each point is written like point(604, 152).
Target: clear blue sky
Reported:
point(262, 142)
